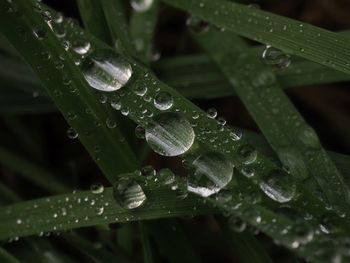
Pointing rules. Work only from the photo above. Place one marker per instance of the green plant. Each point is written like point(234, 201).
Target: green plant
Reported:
point(102, 80)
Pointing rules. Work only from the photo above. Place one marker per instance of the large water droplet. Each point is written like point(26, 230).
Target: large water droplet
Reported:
point(213, 172)
point(141, 5)
point(170, 134)
point(107, 71)
point(278, 186)
point(128, 193)
point(163, 101)
point(276, 57)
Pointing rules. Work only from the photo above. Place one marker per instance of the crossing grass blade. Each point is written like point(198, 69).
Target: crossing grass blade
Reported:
point(93, 18)
point(142, 29)
point(118, 27)
point(81, 108)
point(146, 243)
point(283, 126)
point(294, 37)
point(6, 257)
point(82, 209)
point(244, 244)
point(197, 76)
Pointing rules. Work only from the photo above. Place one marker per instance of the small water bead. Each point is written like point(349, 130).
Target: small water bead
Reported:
point(248, 172)
point(309, 138)
point(169, 134)
point(19, 221)
point(110, 123)
point(221, 121)
point(163, 101)
point(141, 5)
point(212, 113)
point(140, 132)
point(278, 186)
point(276, 57)
point(128, 193)
point(139, 90)
point(197, 25)
point(213, 171)
point(81, 46)
point(302, 233)
point(166, 176)
point(39, 33)
point(71, 133)
point(148, 171)
point(247, 154)
point(116, 104)
point(99, 210)
point(236, 224)
point(235, 134)
point(97, 188)
point(106, 71)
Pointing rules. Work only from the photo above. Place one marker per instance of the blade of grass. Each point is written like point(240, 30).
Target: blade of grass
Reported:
point(93, 18)
point(244, 244)
point(171, 241)
point(313, 43)
point(146, 244)
point(118, 27)
point(142, 27)
point(82, 108)
point(83, 209)
point(197, 76)
point(97, 255)
point(6, 257)
point(295, 142)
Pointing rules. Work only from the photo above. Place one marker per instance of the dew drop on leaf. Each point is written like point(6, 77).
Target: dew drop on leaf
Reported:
point(141, 5)
point(276, 57)
point(106, 71)
point(39, 33)
point(81, 46)
point(139, 132)
point(197, 25)
point(213, 171)
point(128, 193)
point(170, 134)
point(71, 133)
point(163, 101)
point(236, 224)
point(97, 188)
point(278, 186)
point(212, 113)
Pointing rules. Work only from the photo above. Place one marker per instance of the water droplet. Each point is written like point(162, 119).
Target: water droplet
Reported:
point(141, 5)
point(197, 25)
point(107, 71)
point(213, 171)
point(139, 132)
point(309, 138)
point(170, 134)
point(111, 124)
point(236, 224)
point(276, 57)
point(163, 101)
point(128, 193)
point(81, 46)
point(71, 133)
point(212, 113)
point(166, 176)
point(247, 154)
point(39, 33)
point(148, 171)
point(278, 186)
point(97, 188)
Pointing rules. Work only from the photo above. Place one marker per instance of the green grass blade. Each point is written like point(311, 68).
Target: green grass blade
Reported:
point(118, 27)
point(96, 255)
point(244, 244)
point(171, 241)
point(197, 76)
point(296, 143)
point(142, 27)
point(6, 257)
point(316, 44)
point(82, 209)
point(93, 18)
point(32, 172)
point(146, 243)
point(82, 108)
